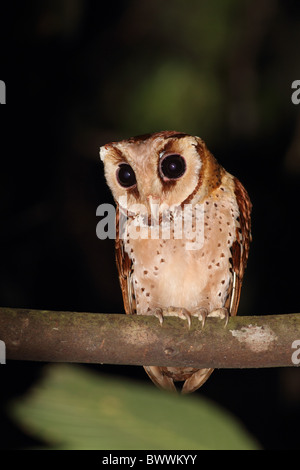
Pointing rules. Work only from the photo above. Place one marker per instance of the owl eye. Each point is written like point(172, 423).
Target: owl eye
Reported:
point(172, 167)
point(126, 176)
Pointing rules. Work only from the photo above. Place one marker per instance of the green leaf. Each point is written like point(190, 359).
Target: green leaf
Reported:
point(75, 408)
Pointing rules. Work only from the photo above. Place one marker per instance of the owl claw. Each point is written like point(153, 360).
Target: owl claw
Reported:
point(178, 312)
point(185, 315)
point(158, 313)
point(170, 312)
point(202, 314)
point(221, 313)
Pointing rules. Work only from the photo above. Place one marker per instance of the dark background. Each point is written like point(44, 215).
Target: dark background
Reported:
point(80, 73)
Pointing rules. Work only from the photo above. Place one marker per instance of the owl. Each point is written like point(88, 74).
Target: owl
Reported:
point(183, 243)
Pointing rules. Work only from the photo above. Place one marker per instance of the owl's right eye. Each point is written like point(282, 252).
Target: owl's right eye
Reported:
point(126, 176)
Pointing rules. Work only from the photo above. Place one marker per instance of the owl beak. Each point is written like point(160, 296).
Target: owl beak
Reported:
point(154, 205)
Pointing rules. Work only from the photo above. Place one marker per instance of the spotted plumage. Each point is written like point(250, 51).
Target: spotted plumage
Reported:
point(184, 235)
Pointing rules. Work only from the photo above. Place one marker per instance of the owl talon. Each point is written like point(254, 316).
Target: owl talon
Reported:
point(157, 312)
point(221, 313)
point(178, 312)
point(202, 314)
point(170, 312)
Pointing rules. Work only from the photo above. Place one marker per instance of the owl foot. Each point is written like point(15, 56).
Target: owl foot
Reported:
point(178, 312)
point(156, 312)
point(221, 313)
point(202, 314)
point(170, 312)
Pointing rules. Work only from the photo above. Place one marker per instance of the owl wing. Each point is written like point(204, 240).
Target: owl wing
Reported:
point(240, 247)
point(125, 269)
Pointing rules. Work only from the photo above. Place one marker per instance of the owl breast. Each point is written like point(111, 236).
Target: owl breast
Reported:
point(193, 270)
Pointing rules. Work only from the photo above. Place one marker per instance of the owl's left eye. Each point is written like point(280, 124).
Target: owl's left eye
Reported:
point(172, 167)
point(126, 176)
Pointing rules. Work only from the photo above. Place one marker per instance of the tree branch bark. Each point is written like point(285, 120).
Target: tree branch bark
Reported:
point(246, 342)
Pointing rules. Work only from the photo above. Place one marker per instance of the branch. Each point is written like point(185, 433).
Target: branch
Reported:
point(246, 342)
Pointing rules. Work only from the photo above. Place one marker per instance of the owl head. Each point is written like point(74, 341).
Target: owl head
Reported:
point(165, 169)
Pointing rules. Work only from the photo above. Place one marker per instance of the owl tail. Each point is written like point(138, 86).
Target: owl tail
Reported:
point(196, 380)
point(160, 380)
point(164, 382)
